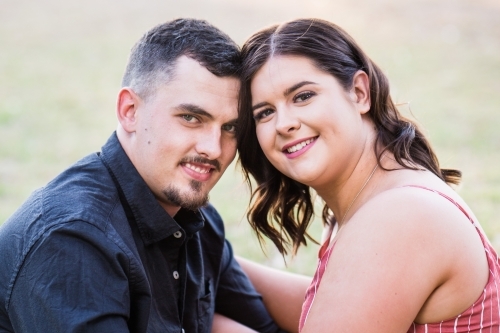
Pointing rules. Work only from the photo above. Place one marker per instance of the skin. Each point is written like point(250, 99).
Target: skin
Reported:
point(401, 254)
point(285, 120)
point(282, 292)
point(190, 117)
point(223, 324)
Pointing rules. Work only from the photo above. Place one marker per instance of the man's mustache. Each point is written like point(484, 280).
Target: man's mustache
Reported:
point(199, 159)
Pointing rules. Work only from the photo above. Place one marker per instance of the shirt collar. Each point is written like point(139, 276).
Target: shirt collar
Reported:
point(153, 222)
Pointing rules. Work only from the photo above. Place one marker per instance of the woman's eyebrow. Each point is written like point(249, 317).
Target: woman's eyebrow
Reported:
point(287, 92)
point(296, 86)
point(259, 105)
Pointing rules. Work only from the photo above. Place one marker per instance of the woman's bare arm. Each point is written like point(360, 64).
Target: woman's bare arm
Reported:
point(282, 292)
point(223, 324)
point(397, 251)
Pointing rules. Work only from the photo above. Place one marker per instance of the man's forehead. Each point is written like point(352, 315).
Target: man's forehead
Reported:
point(188, 73)
point(185, 65)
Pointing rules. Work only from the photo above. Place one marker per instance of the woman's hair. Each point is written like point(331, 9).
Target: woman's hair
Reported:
point(282, 208)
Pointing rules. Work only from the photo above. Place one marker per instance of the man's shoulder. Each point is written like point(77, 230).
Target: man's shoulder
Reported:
point(81, 198)
point(84, 191)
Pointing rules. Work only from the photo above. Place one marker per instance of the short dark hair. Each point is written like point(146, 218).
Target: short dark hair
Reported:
point(282, 207)
point(153, 57)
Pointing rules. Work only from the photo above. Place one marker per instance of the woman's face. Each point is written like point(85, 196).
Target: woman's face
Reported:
point(309, 127)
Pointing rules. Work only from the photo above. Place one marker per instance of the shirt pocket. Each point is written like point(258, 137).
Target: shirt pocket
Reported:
point(206, 308)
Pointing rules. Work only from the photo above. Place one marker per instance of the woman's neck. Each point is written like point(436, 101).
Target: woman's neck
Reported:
point(349, 194)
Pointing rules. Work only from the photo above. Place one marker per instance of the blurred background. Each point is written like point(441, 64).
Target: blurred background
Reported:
point(61, 64)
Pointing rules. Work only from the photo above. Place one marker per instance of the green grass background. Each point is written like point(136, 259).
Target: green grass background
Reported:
point(61, 64)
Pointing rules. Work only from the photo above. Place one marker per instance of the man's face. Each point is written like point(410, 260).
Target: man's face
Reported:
point(184, 135)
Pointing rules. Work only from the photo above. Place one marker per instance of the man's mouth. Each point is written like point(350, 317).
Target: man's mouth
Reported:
point(200, 164)
point(198, 168)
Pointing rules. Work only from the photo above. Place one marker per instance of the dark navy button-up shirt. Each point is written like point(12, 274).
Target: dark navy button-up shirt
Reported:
point(93, 251)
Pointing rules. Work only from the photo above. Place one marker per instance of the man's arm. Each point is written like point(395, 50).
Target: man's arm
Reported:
point(238, 300)
point(71, 281)
point(283, 292)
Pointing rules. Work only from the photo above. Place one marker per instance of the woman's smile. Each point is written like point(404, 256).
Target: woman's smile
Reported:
point(295, 149)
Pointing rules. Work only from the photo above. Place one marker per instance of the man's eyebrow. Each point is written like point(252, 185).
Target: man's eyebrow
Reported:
point(233, 122)
point(296, 86)
point(192, 108)
point(285, 93)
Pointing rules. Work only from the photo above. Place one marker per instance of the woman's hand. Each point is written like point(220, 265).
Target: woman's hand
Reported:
point(223, 324)
point(282, 292)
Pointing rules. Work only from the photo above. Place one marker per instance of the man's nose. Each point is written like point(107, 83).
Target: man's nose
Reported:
point(209, 144)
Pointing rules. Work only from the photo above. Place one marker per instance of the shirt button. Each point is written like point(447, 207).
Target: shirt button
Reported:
point(176, 275)
point(177, 234)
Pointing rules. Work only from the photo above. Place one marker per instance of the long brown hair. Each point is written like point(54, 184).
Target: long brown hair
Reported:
point(282, 208)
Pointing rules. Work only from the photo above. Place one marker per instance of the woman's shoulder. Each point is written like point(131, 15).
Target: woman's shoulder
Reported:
point(421, 211)
point(415, 194)
point(406, 197)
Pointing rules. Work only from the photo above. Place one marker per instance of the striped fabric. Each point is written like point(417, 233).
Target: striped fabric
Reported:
point(481, 317)
point(324, 256)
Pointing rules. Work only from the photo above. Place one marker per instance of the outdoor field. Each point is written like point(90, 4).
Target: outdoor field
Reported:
point(61, 64)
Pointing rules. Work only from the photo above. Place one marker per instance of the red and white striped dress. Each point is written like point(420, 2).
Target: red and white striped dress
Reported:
point(481, 317)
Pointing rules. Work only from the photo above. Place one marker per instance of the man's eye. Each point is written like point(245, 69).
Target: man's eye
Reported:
point(189, 118)
point(229, 128)
point(304, 96)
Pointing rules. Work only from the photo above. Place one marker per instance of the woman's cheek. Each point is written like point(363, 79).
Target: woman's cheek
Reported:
point(266, 138)
point(263, 136)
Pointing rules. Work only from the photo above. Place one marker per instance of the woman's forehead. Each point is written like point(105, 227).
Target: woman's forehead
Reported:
point(285, 70)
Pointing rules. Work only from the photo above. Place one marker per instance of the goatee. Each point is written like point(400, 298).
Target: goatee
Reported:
point(191, 201)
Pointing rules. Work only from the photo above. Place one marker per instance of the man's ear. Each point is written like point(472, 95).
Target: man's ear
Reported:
point(361, 91)
point(126, 109)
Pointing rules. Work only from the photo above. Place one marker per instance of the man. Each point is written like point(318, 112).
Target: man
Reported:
point(123, 240)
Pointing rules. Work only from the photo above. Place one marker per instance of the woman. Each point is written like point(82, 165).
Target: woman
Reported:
point(403, 252)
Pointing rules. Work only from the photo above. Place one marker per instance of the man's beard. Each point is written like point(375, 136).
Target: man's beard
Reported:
point(191, 201)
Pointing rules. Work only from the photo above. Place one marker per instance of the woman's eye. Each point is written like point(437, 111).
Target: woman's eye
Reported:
point(304, 96)
point(263, 114)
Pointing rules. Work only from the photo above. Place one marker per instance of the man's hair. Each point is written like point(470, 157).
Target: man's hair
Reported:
point(152, 59)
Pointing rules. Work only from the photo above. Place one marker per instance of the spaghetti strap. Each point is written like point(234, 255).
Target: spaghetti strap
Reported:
point(444, 196)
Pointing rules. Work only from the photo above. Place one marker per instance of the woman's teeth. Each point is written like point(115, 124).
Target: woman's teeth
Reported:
point(299, 146)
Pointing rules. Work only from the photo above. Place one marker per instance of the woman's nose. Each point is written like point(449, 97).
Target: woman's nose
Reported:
point(286, 122)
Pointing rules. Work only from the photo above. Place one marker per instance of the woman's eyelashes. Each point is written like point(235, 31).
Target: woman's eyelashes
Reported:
point(263, 114)
point(303, 96)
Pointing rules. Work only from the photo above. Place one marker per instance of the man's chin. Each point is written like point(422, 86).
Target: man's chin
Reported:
point(192, 201)
point(195, 204)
